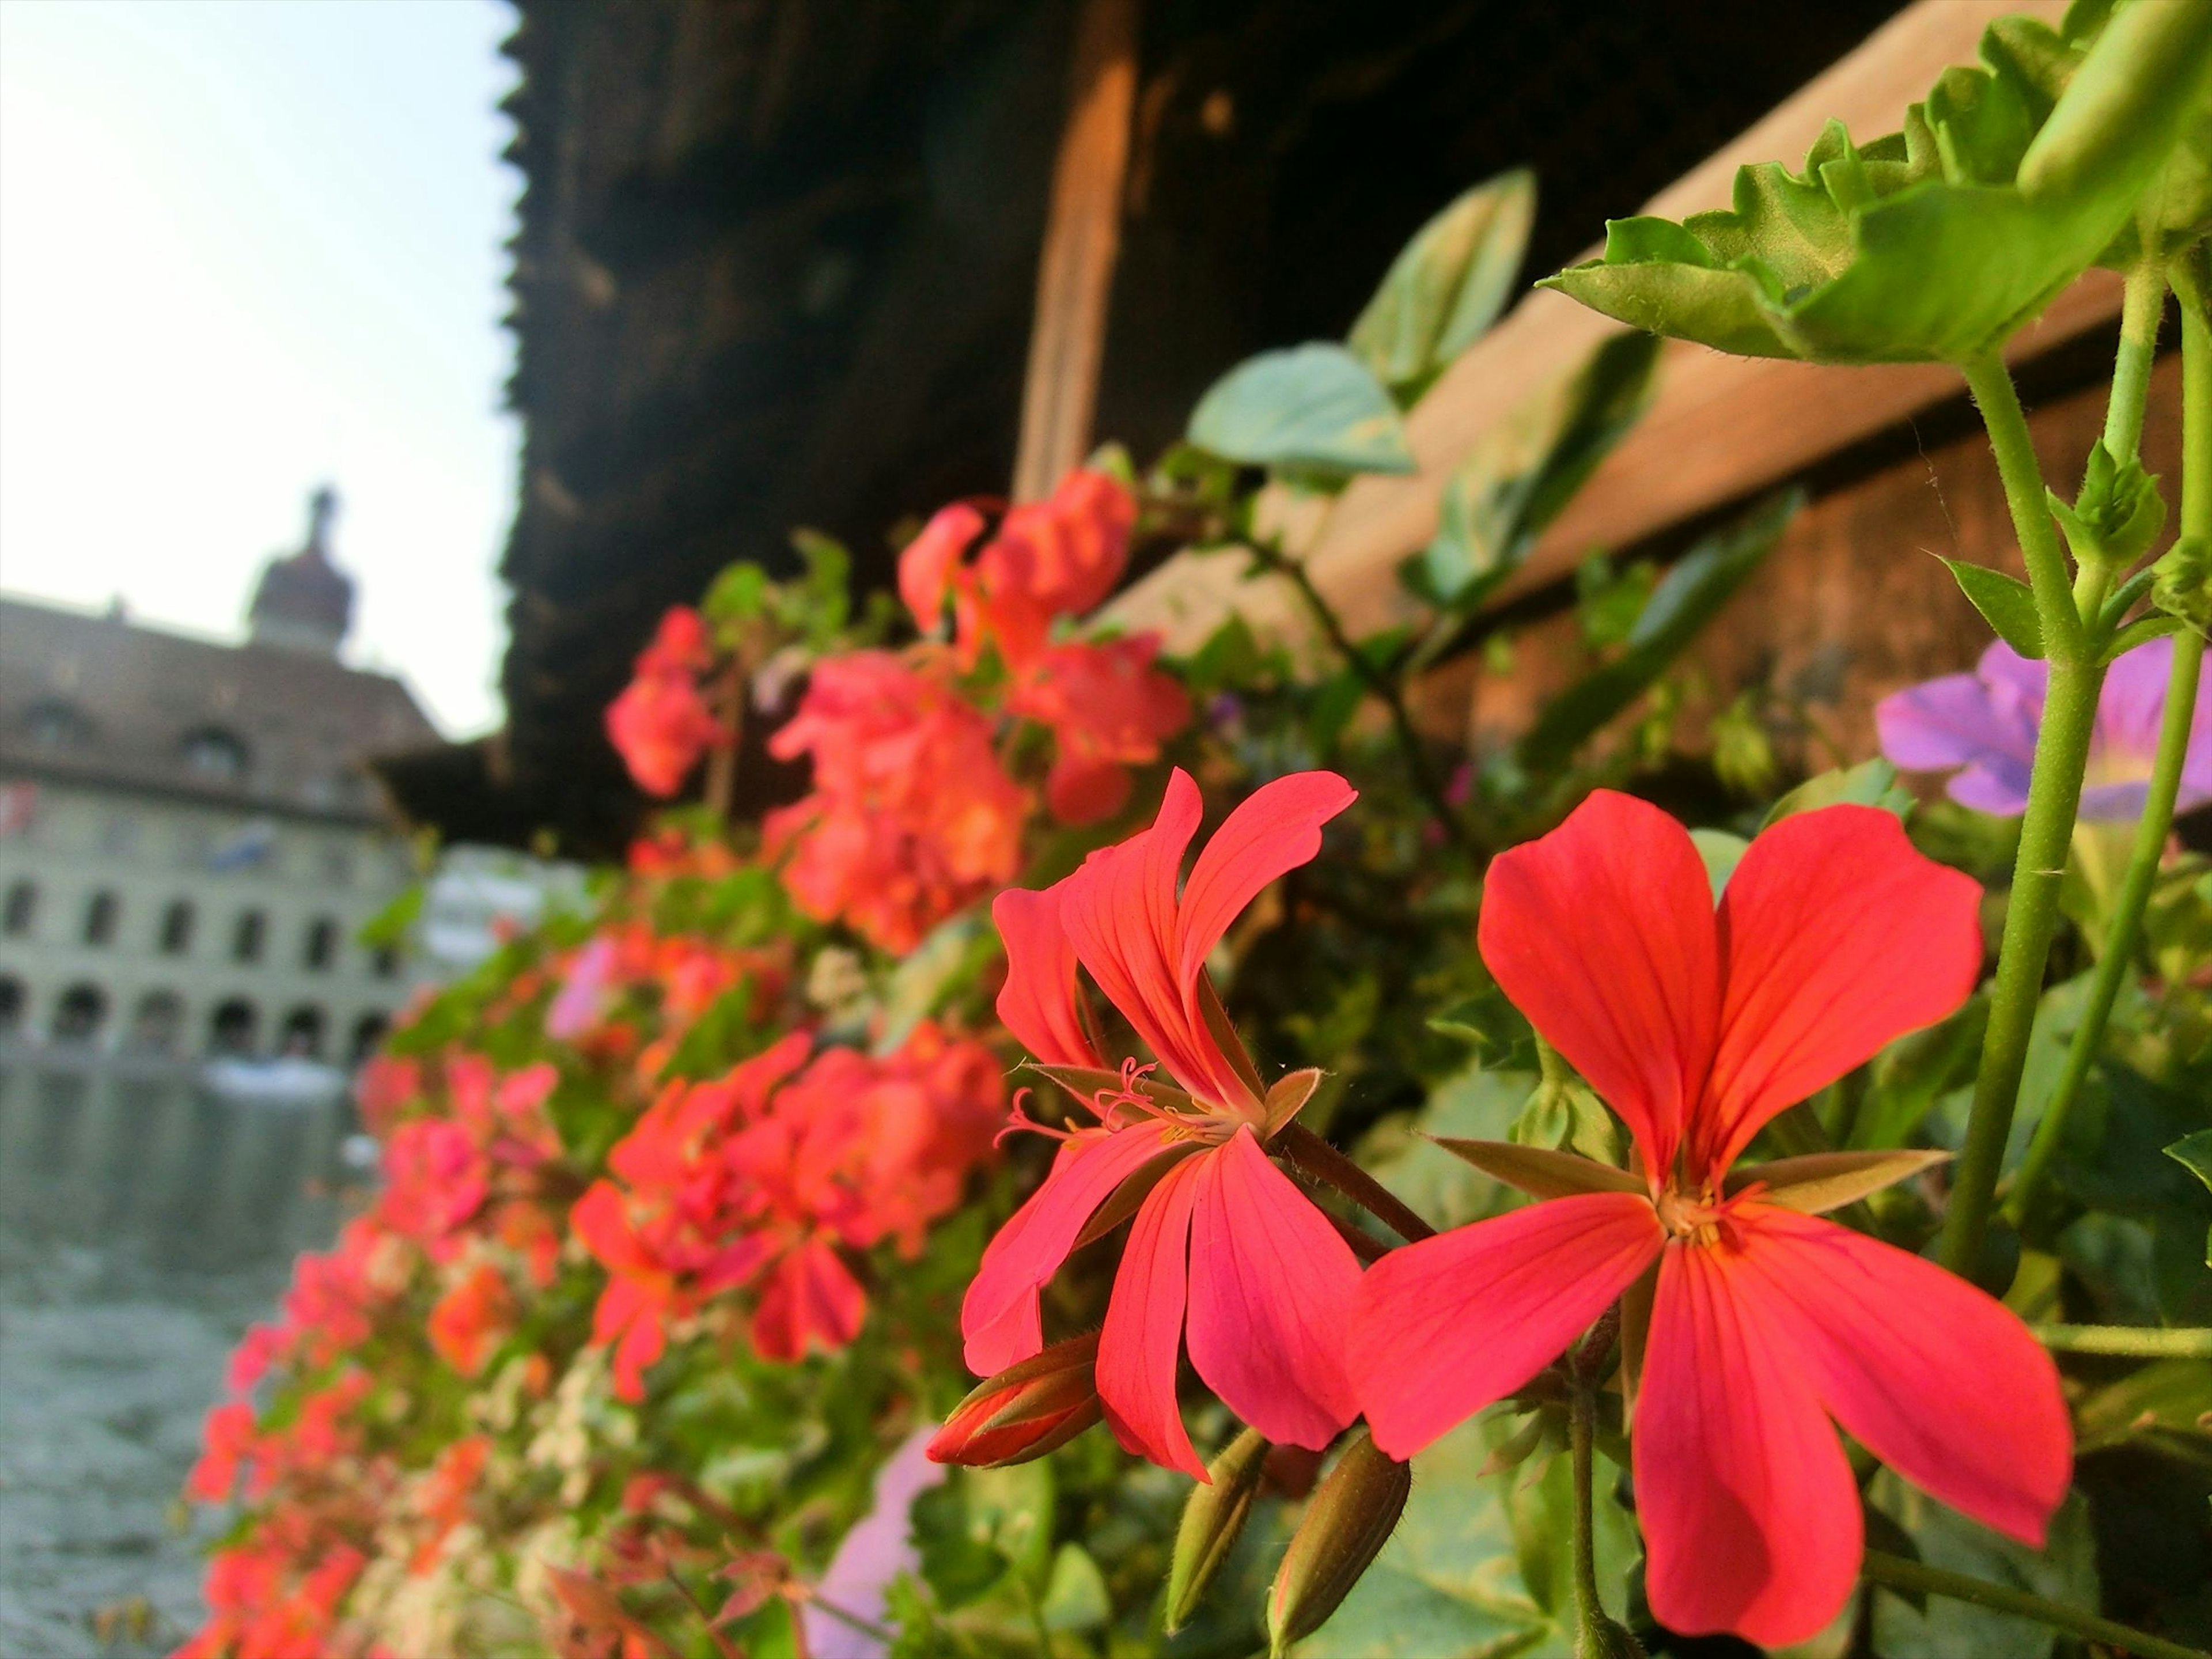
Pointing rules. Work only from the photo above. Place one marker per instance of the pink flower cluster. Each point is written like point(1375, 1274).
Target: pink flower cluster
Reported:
point(765, 1178)
point(915, 810)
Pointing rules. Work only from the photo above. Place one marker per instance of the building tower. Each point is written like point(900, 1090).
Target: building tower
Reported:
point(304, 603)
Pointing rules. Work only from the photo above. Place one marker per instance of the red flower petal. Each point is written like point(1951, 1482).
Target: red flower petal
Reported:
point(1142, 1332)
point(927, 566)
point(1935, 1379)
point(811, 1299)
point(1275, 829)
point(1119, 910)
point(1037, 1003)
point(1445, 1327)
point(1035, 1240)
point(1751, 1518)
point(1836, 937)
point(1602, 934)
point(1271, 1285)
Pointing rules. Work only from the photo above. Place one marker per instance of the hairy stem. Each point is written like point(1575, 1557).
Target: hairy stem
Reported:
point(1380, 683)
point(1304, 1151)
point(2137, 338)
point(2062, 753)
point(1896, 1573)
point(2133, 1342)
point(2141, 312)
point(1581, 1429)
point(1585, 1364)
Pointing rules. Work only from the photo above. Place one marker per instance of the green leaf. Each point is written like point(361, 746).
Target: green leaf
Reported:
point(739, 594)
point(2194, 1154)
point(1075, 1597)
point(1939, 241)
point(956, 1563)
point(1447, 285)
point(1524, 470)
point(2140, 632)
point(1481, 1567)
point(2168, 1401)
point(2006, 603)
point(1685, 599)
point(2065, 1571)
point(1313, 407)
point(1722, 851)
point(1871, 783)
point(1402, 1152)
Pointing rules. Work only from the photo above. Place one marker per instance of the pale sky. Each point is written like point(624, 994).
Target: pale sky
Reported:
point(248, 246)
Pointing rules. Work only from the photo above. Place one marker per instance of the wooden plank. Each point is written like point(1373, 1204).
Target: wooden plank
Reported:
point(1720, 427)
point(1075, 273)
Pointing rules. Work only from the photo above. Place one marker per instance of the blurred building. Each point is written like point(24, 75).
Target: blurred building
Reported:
point(189, 842)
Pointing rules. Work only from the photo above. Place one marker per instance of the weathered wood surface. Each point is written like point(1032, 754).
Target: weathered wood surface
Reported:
point(1720, 427)
point(1851, 605)
point(1075, 272)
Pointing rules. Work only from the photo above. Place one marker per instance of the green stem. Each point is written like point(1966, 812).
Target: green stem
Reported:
point(1380, 683)
point(2132, 1341)
point(2041, 550)
point(2141, 312)
point(2125, 922)
point(1896, 1573)
point(1582, 1430)
point(2062, 753)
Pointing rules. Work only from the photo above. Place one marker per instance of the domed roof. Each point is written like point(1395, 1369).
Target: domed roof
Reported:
point(304, 601)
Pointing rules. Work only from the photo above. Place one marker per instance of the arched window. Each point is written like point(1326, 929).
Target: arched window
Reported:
point(53, 723)
point(101, 915)
point(80, 1014)
point(368, 1031)
point(301, 1034)
point(158, 1023)
point(177, 927)
point(322, 944)
point(12, 999)
point(245, 938)
point(21, 911)
point(231, 1028)
point(214, 753)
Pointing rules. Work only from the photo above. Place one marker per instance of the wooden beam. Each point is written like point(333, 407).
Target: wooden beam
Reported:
point(1720, 427)
point(1075, 273)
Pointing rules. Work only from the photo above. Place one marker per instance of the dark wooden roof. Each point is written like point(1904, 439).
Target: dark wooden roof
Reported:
point(776, 262)
point(103, 701)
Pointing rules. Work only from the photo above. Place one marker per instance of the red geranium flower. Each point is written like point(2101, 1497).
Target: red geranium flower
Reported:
point(660, 725)
point(1834, 938)
point(1057, 557)
point(1223, 1241)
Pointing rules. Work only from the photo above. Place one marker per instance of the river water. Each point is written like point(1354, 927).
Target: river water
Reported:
point(145, 1221)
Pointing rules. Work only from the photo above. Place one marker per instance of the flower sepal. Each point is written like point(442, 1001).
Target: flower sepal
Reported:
point(1821, 1181)
point(1347, 1521)
point(1289, 1096)
point(1026, 1411)
point(1213, 1518)
point(1540, 1171)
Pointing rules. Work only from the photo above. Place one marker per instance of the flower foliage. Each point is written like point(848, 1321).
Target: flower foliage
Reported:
point(706, 1303)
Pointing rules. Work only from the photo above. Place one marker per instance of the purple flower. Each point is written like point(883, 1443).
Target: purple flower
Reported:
point(878, 1548)
point(575, 1008)
point(1986, 723)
